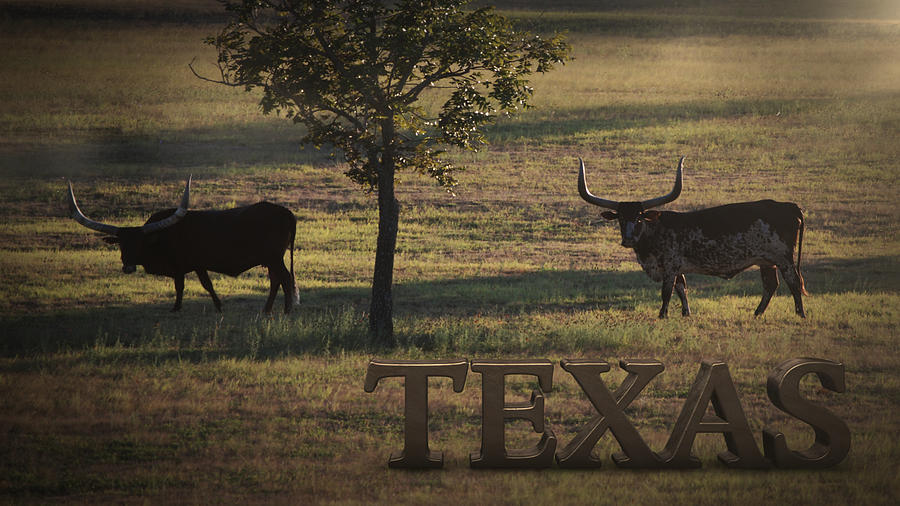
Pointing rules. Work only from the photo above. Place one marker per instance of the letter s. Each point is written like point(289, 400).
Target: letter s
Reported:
point(832, 442)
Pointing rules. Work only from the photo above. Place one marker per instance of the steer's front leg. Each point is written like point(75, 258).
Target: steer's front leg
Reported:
point(681, 291)
point(668, 285)
point(179, 290)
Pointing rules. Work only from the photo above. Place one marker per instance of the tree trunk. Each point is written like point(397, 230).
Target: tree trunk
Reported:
point(381, 323)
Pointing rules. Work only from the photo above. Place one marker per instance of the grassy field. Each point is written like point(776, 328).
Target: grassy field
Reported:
point(106, 396)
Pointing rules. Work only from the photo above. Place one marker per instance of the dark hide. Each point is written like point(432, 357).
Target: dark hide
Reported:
point(719, 241)
point(229, 241)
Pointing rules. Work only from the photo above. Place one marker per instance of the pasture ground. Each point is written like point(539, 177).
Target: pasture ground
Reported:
point(105, 396)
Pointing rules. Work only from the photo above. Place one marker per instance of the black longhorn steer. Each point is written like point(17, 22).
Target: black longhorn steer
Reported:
point(174, 242)
point(719, 241)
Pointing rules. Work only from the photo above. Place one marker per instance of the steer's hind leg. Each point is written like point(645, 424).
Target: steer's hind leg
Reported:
point(274, 282)
point(769, 276)
point(179, 291)
point(795, 283)
point(287, 286)
point(279, 277)
point(681, 290)
point(207, 284)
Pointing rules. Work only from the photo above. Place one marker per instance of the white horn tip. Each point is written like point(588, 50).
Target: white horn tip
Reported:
point(72, 205)
point(185, 200)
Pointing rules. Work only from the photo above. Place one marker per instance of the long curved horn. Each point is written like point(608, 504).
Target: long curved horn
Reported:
point(665, 199)
point(176, 216)
point(78, 216)
point(588, 196)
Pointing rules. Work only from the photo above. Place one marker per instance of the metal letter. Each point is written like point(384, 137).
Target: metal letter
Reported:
point(714, 384)
point(495, 411)
point(415, 452)
point(611, 415)
point(832, 435)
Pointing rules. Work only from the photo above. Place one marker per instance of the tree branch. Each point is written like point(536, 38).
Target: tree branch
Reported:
point(224, 80)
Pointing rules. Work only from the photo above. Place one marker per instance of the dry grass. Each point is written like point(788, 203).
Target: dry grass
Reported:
point(107, 397)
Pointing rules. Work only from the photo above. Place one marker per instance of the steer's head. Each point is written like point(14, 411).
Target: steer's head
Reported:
point(632, 216)
point(132, 241)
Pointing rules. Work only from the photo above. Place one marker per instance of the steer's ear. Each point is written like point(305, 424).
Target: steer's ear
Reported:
point(651, 215)
point(111, 239)
point(609, 215)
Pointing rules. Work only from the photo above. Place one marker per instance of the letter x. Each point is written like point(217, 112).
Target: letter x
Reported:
point(611, 414)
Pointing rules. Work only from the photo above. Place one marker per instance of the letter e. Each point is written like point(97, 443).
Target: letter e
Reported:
point(495, 412)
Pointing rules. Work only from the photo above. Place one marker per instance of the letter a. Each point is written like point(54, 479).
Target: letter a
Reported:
point(714, 384)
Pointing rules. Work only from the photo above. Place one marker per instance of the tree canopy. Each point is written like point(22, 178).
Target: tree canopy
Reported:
point(342, 67)
point(353, 72)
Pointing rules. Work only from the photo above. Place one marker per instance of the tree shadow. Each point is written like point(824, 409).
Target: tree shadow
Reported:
point(336, 317)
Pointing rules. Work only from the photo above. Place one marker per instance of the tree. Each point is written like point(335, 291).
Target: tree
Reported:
point(352, 72)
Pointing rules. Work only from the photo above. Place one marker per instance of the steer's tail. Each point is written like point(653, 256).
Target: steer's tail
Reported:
point(296, 291)
point(800, 254)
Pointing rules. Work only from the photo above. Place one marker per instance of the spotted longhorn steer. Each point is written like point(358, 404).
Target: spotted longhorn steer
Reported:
point(719, 241)
point(174, 242)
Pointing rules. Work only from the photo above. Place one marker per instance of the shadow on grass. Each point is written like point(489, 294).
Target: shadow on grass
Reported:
point(637, 18)
point(574, 290)
point(331, 320)
point(218, 150)
point(106, 152)
point(609, 119)
point(651, 20)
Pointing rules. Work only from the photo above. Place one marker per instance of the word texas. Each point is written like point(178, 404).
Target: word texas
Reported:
point(712, 385)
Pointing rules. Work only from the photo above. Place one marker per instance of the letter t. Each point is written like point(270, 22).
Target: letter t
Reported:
point(415, 452)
